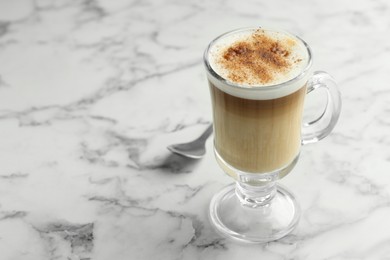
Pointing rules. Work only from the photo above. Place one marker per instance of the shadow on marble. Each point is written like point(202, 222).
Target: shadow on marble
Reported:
point(177, 164)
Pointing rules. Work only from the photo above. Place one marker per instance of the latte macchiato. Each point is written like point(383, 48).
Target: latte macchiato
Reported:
point(257, 118)
point(258, 79)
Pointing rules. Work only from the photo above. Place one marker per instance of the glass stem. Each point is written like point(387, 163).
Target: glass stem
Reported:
point(255, 196)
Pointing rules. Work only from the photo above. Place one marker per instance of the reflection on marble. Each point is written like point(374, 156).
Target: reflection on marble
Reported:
point(92, 92)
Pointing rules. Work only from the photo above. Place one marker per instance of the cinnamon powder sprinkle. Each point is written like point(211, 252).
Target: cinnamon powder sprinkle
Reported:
point(256, 59)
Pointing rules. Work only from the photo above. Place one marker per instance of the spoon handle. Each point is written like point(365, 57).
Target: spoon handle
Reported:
point(206, 133)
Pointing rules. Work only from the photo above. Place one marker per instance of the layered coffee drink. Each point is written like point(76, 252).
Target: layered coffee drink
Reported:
point(257, 88)
point(258, 80)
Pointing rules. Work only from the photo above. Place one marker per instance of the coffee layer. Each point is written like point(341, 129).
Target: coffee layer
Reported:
point(257, 136)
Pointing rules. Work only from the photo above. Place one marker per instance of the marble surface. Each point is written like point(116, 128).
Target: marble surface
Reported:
point(92, 92)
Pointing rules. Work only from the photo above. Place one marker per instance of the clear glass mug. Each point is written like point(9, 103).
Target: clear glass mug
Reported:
point(258, 132)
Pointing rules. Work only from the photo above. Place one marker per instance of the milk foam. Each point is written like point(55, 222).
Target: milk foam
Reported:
point(293, 78)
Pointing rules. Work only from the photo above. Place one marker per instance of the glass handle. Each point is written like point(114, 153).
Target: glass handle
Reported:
point(319, 128)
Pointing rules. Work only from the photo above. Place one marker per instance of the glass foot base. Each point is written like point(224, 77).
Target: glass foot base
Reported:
point(254, 225)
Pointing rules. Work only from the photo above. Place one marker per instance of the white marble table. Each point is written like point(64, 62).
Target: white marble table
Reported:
point(92, 92)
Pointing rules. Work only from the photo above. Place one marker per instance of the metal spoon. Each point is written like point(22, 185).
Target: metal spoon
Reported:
point(195, 149)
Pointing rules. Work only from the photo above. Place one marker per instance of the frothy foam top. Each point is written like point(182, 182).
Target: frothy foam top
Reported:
point(258, 58)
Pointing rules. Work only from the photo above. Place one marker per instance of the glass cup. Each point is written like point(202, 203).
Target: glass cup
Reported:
point(258, 132)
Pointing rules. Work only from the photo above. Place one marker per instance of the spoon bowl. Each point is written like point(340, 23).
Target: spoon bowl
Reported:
point(195, 149)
